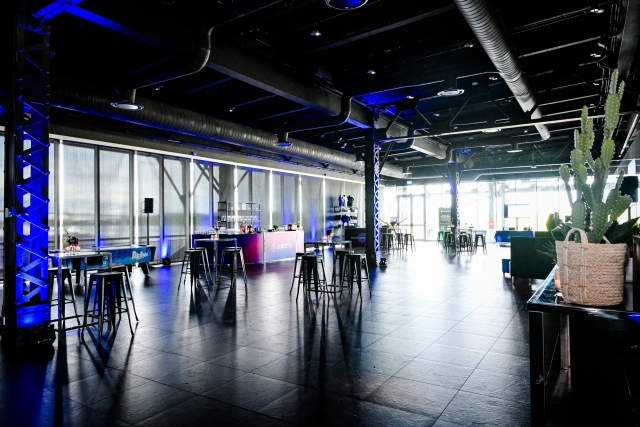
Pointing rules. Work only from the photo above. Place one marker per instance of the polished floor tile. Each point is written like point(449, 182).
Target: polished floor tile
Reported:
point(441, 342)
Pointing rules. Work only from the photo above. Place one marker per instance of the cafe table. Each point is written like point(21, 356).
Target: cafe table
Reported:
point(323, 244)
point(58, 257)
point(547, 303)
point(216, 258)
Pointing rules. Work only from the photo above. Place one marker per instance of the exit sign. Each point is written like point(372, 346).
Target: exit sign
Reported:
point(409, 182)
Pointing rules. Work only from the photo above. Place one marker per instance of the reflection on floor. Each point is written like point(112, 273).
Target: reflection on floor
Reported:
point(443, 342)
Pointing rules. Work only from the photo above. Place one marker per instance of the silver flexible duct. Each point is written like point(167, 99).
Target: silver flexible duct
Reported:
point(486, 26)
point(161, 116)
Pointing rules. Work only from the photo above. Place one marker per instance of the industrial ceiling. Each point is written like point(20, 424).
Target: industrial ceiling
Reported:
point(500, 83)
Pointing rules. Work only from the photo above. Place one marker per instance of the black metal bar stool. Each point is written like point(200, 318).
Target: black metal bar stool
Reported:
point(204, 263)
point(190, 266)
point(66, 275)
point(353, 265)
point(440, 238)
point(480, 237)
point(309, 268)
point(409, 241)
point(127, 283)
point(108, 289)
point(297, 272)
point(234, 254)
point(464, 243)
point(338, 262)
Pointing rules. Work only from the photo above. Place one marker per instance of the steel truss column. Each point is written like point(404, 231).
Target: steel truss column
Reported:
point(26, 297)
point(372, 197)
point(454, 182)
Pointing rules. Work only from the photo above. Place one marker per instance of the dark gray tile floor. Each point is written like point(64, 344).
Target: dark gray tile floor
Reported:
point(441, 342)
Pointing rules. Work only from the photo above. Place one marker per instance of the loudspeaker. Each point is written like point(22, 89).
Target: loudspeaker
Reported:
point(147, 206)
point(629, 187)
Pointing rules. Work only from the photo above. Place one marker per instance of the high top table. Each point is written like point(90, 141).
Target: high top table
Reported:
point(548, 301)
point(59, 257)
point(323, 244)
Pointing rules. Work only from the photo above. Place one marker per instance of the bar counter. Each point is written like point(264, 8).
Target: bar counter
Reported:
point(257, 247)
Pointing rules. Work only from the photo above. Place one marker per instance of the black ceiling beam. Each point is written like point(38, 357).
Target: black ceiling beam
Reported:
point(248, 68)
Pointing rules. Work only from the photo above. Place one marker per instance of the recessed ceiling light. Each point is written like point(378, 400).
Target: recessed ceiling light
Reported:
point(491, 130)
point(474, 84)
point(596, 55)
point(451, 92)
point(597, 10)
point(494, 78)
point(436, 114)
point(470, 137)
point(345, 4)
point(232, 109)
point(468, 45)
point(316, 33)
point(126, 105)
point(372, 72)
point(159, 87)
point(534, 167)
point(526, 130)
point(410, 97)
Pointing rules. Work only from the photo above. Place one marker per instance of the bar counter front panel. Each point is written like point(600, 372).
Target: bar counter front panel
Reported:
point(259, 247)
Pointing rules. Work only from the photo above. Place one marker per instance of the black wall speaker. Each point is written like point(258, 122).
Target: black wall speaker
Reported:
point(630, 187)
point(147, 206)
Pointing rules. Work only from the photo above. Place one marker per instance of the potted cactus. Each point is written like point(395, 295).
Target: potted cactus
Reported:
point(592, 273)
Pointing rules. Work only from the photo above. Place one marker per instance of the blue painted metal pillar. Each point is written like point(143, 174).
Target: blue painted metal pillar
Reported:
point(372, 196)
point(26, 173)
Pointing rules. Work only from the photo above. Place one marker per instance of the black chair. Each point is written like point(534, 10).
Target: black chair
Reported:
point(338, 265)
point(127, 283)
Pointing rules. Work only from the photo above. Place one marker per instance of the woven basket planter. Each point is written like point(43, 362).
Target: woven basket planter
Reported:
point(591, 273)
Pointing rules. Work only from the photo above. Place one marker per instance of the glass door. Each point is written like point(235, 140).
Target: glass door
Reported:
point(411, 215)
point(418, 225)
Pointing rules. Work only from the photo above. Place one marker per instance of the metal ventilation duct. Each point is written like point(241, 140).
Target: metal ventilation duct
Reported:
point(494, 40)
point(95, 101)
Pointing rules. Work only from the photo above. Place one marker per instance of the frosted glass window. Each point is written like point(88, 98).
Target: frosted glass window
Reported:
point(77, 192)
point(175, 209)
point(114, 198)
point(314, 218)
point(201, 202)
point(148, 177)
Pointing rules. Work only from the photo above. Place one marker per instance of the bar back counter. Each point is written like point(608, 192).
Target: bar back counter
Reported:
point(256, 247)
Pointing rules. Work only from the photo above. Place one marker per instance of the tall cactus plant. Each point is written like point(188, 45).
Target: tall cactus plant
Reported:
point(603, 211)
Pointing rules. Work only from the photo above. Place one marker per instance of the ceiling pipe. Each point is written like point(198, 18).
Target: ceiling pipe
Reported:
point(91, 100)
point(183, 65)
point(494, 39)
point(341, 118)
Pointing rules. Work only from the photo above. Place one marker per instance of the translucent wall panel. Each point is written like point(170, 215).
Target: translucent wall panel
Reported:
point(77, 191)
point(285, 199)
point(356, 190)
point(201, 196)
point(312, 208)
point(253, 186)
point(223, 186)
point(175, 209)
point(148, 183)
point(333, 189)
point(114, 195)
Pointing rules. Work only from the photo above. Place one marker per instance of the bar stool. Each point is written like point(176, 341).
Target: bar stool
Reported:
point(339, 262)
point(440, 238)
point(450, 240)
point(464, 243)
point(233, 253)
point(127, 283)
point(66, 275)
point(108, 289)
point(190, 266)
point(204, 264)
point(298, 275)
point(409, 241)
point(309, 268)
point(484, 243)
point(353, 265)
